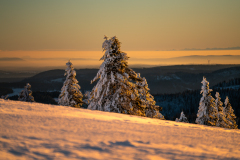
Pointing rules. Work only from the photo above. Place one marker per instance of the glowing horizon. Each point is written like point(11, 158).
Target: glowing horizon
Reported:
point(91, 59)
point(133, 54)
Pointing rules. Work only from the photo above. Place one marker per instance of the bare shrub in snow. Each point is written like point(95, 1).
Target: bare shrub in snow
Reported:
point(4, 97)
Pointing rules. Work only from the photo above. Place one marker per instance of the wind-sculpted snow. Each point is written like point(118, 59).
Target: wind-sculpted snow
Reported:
point(37, 131)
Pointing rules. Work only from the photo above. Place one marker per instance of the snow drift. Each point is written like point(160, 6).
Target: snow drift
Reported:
point(39, 131)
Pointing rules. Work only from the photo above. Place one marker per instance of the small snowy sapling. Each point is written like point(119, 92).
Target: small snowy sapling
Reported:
point(26, 94)
point(182, 118)
point(70, 93)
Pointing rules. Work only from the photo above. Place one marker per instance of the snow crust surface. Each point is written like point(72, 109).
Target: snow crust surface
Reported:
point(39, 131)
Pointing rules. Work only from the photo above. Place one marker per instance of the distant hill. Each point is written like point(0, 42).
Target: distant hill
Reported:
point(197, 59)
point(166, 79)
point(11, 76)
point(11, 59)
point(208, 57)
point(228, 48)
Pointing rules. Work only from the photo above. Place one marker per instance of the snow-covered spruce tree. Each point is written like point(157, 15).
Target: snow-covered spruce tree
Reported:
point(116, 89)
point(26, 94)
point(221, 117)
point(182, 118)
point(113, 91)
point(70, 93)
point(230, 116)
point(151, 109)
point(207, 112)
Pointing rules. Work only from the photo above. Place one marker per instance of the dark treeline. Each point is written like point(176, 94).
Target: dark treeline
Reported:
point(5, 90)
point(230, 83)
point(188, 101)
point(45, 97)
point(36, 86)
point(42, 97)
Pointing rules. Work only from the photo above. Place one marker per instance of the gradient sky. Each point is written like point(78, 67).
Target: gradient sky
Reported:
point(141, 25)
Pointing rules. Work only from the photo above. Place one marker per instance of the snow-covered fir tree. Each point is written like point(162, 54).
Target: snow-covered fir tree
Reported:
point(70, 93)
point(114, 92)
point(116, 89)
point(151, 109)
point(207, 112)
point(26, 94)
point(182, 118)
point(221, 117)
point(230, 116)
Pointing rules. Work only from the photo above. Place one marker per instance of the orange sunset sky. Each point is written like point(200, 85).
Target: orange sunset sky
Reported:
point(147, 29)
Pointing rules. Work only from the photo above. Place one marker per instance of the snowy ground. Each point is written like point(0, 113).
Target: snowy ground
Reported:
point(38, 131)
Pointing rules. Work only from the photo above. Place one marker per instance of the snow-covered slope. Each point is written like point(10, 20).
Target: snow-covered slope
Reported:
point(38, 131)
